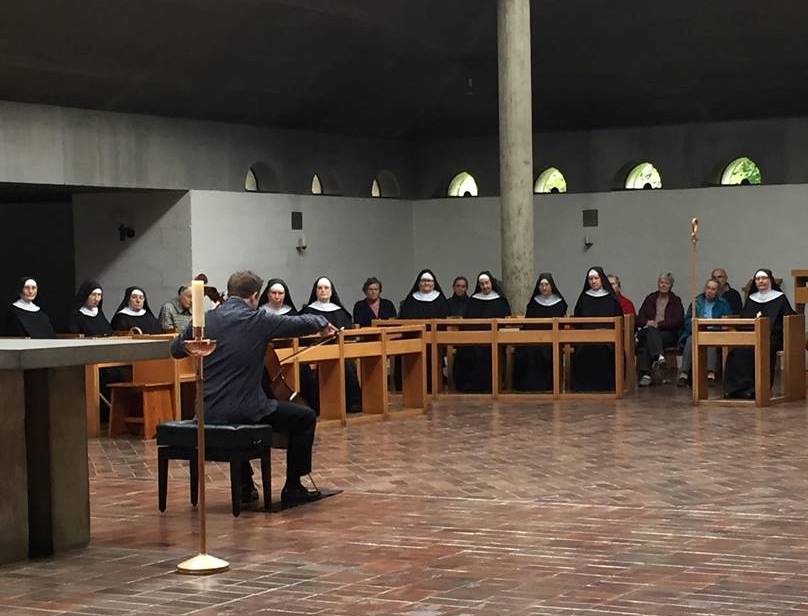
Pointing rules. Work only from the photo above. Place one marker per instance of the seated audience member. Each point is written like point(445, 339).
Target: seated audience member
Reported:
point(626, 304)
point(472, 365)
point(709, 305)
point(134, 311)
point(533, 365)
point(659, 320)
point(457, 302)
point(24, 317)
point(732, 296)
point(276, 299)
point(593, 364)
point(87, 315)
point(324, 301)
point(233, 390)
point(767, 298)
point(373, 306)
point(425, 300)
point(176, 313)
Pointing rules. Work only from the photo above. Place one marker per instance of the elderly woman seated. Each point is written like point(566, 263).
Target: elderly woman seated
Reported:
point(659, 320)
point(709, 305)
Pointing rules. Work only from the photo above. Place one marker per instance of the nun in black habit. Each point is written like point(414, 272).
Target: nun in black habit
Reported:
point(459, 299)
point(533, 365)
point(472, 364)
point(87, 314)
point(593, 364)
point(765, 297)
point(24, 317)
point(276, 299)
point(134, 311)
point(425, 300)
point(324, 300)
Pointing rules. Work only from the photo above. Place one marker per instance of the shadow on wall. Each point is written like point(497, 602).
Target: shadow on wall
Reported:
point(44, 251)
point(157, 257)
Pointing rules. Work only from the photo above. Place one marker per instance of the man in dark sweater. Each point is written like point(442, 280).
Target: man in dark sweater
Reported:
point(234, 371)
point(733, 298)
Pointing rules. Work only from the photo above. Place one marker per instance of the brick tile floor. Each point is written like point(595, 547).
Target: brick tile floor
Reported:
point(639, 507)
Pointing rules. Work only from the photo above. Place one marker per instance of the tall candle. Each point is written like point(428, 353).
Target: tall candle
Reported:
point(198, 302)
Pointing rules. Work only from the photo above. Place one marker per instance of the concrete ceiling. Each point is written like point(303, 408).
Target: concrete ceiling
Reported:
point(401, 68)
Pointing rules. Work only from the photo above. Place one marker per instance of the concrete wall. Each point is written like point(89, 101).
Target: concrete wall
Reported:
point(55, 145)
point(58, 145)
point(687, 156)
point(348, 240)
point(640, 234)
point(158, 257)
point(30, 248)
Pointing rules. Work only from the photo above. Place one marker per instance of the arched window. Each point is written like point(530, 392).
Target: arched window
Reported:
point(643, 177)
point(262, 177)
point(385, 184)
point(550, 180)
point(741, 171)
point(316, 186)
point(250, 183)
point(463, 185)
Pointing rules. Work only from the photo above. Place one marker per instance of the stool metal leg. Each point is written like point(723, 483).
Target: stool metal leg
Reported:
point(162, 477)
point(235, 483)
point(266, 479)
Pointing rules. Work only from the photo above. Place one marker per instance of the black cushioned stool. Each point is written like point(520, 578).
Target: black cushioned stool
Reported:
point(176, 440)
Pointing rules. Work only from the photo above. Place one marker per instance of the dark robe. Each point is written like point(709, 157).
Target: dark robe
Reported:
point(26, 324)
point(533, 366)
point(306, 377)
point(147, 323)
point(739, 373)
point(472, 364)
point(91, 327)
point(457, 305)
point(363, 315)
point(412, 308)
point(593, 364)
point(341, 318)
point(416, 309)
point(733, 299)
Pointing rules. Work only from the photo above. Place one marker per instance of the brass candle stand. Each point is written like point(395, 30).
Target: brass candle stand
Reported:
point(203, 563)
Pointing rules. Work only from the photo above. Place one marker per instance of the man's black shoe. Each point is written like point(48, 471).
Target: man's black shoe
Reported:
point(249, 494)
point(298, 494)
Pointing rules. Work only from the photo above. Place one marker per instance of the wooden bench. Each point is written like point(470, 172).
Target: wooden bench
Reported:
point(145, 402)
point(370, 347)
point(499, 334)
point(757, 334)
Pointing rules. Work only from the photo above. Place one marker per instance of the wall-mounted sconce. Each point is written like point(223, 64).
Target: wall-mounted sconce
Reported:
point(588, 242)
point(301, 244)
point(125, 232)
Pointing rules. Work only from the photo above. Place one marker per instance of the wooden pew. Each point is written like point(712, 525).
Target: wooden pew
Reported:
point(754, 333)
point(182, 373)
point(370, 346)
point(498, 333)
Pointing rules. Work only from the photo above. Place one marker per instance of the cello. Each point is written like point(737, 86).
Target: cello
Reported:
point(211, 292)
point(276, 370)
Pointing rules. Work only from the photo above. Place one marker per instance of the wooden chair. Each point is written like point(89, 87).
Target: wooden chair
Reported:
point(147, 401)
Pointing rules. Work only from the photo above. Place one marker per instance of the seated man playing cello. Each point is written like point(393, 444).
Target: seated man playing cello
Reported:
point(233, 374)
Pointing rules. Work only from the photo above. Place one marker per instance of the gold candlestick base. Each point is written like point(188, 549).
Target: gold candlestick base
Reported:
point(203, 564)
